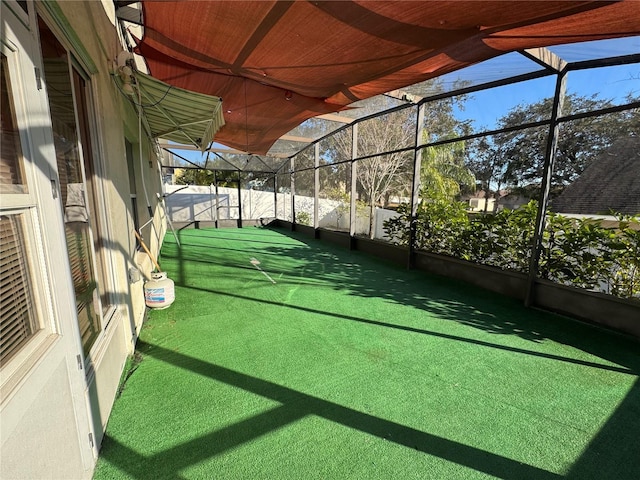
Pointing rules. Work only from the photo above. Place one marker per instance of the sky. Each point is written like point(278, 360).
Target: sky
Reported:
point(485, 108)
point(613, 83)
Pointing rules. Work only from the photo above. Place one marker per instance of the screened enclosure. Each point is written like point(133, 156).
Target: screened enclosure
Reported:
point(528, 162)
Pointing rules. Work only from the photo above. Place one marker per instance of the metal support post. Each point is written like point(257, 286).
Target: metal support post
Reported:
point(239, 201)
point(552, 145)
point(215, 182)
point(354, 183)
point(275, 196)
point(316, 188)
point(415, 187)
point(293, 193)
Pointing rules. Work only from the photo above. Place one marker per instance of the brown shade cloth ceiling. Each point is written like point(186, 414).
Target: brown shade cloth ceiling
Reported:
point(278, 63)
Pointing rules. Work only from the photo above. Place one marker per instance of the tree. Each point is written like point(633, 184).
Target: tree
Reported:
point(516, 158)
point(387, 174)
point(196, 176)
point(486, 162)
point(193, 176)
point(443, 172)
point(343, 199)
point(380, 176)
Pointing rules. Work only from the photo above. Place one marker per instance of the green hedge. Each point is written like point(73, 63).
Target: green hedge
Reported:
point(581, 252)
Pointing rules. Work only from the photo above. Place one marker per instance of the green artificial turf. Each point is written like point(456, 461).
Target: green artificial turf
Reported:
point(351, 368)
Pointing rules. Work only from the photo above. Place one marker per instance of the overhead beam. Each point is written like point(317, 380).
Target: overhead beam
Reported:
point(294, 138)
point(335, 117)
point(192, 147)
point(215, 150)
point(605, 62)
point(546, 58)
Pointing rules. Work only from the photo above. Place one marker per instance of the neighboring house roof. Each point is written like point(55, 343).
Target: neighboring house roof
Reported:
point(611, 182)
point(477, 194)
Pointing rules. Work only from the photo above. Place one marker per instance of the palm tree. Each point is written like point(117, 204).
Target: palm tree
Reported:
point(443, 172)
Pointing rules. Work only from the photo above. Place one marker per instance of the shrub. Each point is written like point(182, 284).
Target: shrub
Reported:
point(303, 218)
point(579, 252)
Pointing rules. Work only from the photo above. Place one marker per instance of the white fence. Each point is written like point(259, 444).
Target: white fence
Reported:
point(200, 203)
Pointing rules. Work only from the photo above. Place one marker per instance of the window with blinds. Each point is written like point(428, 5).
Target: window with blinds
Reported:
point(17, 311)
point(11, 165)
point(18, 321)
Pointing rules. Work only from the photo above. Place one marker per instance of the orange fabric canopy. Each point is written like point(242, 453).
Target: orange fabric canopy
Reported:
point(278, 63)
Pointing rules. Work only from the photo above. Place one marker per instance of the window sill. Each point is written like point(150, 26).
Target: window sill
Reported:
point(17, 368)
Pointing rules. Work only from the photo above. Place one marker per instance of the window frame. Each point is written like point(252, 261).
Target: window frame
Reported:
point(16, 96)
point(101, 204)
point(19, 12)
point(80, 62)
point(15, 368)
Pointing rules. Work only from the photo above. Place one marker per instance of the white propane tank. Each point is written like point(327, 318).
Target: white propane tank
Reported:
point(159, 291)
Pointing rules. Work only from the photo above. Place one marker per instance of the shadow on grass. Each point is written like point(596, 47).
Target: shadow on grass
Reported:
point(454, 300)
point(405, 328)
point(294, 406)
point(450, 300)
point(613, 453)
point(168, 463)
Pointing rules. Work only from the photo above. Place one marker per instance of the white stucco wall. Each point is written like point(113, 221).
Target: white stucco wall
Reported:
point(53, 418)
point(45, 443)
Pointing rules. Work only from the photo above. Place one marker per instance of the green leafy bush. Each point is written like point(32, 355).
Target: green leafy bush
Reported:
point(582, 252)
point(625, 281)
point(303, 218)
point(585, 253)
